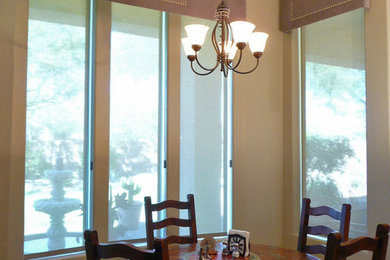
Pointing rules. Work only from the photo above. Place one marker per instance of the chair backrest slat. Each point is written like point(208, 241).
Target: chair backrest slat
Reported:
point(188, 205)
point(316, 249)
point(319, 230)
point(172, 222)
point(170, 204)
point(180, 239)
point(344, 216)
point(325, 210)
point(95, 250)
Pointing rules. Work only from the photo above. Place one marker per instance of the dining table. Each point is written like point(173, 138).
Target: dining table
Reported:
point(257, 252)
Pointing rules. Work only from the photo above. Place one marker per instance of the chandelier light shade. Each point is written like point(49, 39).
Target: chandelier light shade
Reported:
point(187, 47)
point(227, 38)
point(196, 33)
point(242, 31)
point(257, 41)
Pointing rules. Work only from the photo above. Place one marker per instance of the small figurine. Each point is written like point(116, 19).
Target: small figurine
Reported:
point(225, 250)
point(201, 253)
point(206, 255)
point(236, 252)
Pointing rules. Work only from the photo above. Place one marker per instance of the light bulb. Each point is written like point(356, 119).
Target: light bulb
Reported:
point(242, 31)
point(230, 49)
point(232, 52)
point(257, 41)
point(196, 33)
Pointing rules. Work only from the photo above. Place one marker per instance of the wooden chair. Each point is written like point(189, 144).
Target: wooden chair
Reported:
point(378, 245)
point(190, 222)
point(95, 251)
point(344, 217)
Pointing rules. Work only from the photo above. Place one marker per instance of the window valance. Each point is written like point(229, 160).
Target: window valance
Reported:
point(197, 8)
point(296, 13)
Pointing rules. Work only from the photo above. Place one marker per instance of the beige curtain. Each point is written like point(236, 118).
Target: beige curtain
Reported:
point(296, 13)
point(197, 8)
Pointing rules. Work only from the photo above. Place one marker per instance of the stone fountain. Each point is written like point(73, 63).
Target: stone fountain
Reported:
point(57, 206)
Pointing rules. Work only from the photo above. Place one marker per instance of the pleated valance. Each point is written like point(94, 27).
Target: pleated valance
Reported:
point(296, 13)
point(197, 8)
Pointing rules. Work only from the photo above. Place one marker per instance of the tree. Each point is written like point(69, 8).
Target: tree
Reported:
point(327, 155)
point(55, 89)
point(128, 157)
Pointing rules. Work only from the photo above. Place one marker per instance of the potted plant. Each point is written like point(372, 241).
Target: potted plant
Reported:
point(128, 209)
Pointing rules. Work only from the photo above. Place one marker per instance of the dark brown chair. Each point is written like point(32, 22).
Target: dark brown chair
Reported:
point(336, 250)
point(95, 251)
point(190, 222)
point(304, 229)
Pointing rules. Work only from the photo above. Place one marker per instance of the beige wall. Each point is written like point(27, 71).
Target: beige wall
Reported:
point(378, 96)
point(257, 131)
point(258, 119)
point(13, 53)
point(266, 158)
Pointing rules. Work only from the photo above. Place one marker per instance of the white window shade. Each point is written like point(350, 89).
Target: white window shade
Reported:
point(335, 169)
point(135, 118)
point(55, 201)
point(345, 47)
point(71, 12)
point(143, 21)
point(203, 139)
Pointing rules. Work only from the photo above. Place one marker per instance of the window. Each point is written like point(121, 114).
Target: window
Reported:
point(54, 186)
point(205, 138)
point(60, 127)
point(335, 115)
point(136, 118)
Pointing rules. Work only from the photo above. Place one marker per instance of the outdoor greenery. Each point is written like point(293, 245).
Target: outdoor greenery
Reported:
point(323, 157)
point(335, 139)
point(326, 155)
point(131, 188)
point(55, 121)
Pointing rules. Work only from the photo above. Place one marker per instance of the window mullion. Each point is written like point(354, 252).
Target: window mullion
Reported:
point(89, 114)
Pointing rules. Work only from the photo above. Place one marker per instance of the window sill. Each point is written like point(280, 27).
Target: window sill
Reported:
point(72, 256)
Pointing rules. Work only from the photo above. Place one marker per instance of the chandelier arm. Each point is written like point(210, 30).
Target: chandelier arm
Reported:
point(225, 71)
point(200, 74)
point(200, 65)
point(247, 72)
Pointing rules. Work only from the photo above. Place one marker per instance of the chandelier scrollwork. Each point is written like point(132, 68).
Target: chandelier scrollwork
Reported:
point(226, 39)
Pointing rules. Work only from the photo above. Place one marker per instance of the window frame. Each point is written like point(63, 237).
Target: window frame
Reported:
point(301, 60)
point(96, 161)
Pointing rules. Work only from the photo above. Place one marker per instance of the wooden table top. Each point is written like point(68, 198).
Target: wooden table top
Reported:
point(180, 252)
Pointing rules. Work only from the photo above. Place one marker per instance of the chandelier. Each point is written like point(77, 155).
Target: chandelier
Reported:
point(226, 38)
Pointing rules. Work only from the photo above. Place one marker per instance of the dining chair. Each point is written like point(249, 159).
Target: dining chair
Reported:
point(95, 251)
point(188, 205)
point(344, 216)
point(336, 249)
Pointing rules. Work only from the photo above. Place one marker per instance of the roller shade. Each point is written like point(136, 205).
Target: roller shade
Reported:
point(296, 13)
point(197, 8)
point(71, 12)
point(346, 46)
